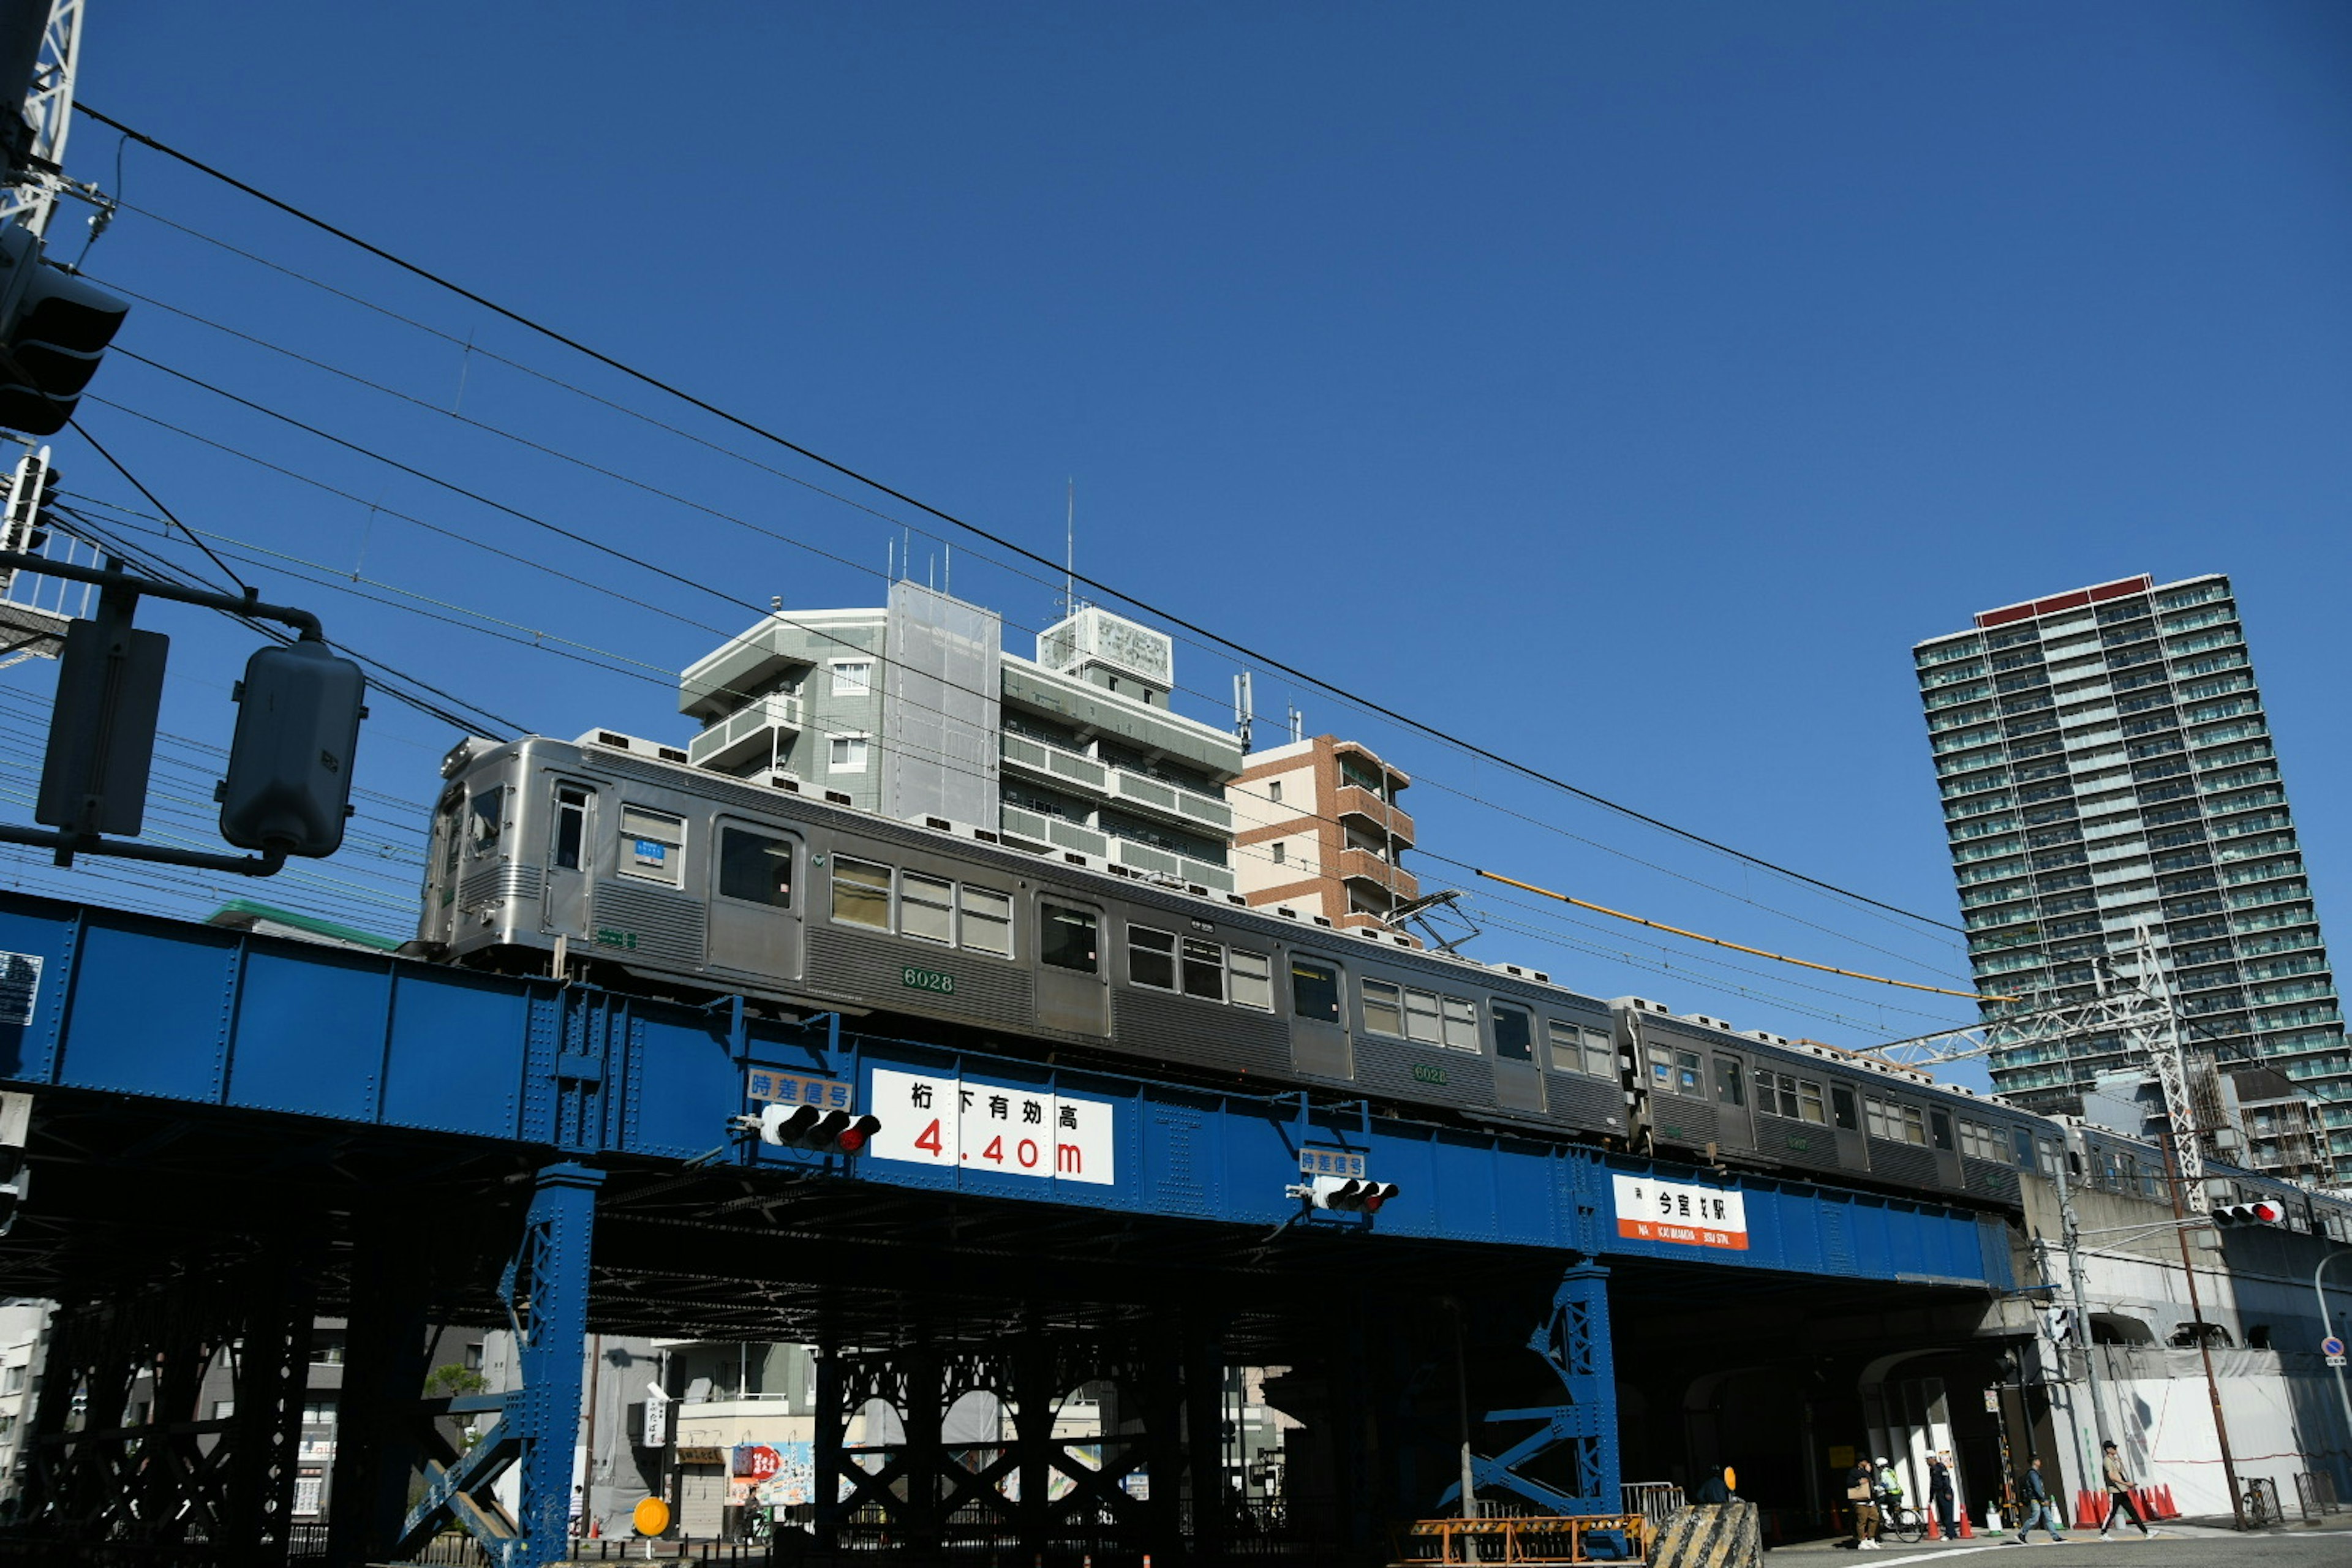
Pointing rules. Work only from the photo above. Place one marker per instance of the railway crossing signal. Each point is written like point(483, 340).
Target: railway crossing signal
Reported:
point(2264, 1212)
point(808, 1126)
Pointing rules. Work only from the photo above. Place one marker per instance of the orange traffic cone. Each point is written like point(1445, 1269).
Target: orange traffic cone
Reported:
point(1932, 1534)
point(1965, 1532)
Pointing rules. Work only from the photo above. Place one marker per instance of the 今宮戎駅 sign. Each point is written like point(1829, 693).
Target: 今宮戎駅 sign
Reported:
point(1689, 1213)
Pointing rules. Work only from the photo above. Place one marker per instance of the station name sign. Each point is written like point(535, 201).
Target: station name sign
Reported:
point(1690, 1213)
point(968, 1124)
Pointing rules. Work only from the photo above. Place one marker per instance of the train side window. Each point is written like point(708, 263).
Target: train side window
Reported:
point(1421, 1016)
point(1151, 957)
point(653, 846)
point(1687, 1079)
point(1915, 1126)
point(570, 826)
point(1809, 1102)
point(755, 867)
point(1600, 1054)
point(1313, 991)
point(1726, 1082)
point(1252, 980)
point(1384, 1008)
point(1460, 1024)
point(1515, 1034)
point(1841, 1107)
point(1204, 970)
point(926, 909)
point(488, 818)
point(1066, 938)
point(1662, 1069)
point(1939, 1127)
point(1875, 1115)
point(1566, 1046)
point(861, 894)
point(988, 921)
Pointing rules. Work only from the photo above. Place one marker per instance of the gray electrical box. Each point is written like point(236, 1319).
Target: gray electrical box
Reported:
point(290, 766)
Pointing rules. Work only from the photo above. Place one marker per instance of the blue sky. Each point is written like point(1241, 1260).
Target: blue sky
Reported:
point(1624, 388)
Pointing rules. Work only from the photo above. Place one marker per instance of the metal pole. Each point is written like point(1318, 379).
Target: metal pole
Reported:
point(2328, 1329)
point(2070, 1229)
point(2204, 1342)
point(1462, 1404)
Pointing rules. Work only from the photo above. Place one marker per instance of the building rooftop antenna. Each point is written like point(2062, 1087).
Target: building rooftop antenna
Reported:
point(1070, 548)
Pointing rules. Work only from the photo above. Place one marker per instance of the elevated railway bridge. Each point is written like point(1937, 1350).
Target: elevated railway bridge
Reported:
point(235, 1135)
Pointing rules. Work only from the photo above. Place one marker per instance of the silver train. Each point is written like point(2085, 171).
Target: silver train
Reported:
point(610, 856)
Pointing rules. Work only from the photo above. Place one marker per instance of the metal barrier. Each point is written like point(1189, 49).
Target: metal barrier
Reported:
point(2316, 1491)
point(2258, 1496)
point(1654, 1501)
point(1544, 1539)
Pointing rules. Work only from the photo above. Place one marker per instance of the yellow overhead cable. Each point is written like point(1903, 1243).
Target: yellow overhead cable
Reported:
point(1737, 947)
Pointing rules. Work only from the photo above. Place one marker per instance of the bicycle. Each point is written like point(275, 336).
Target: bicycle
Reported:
point(1907, 1525)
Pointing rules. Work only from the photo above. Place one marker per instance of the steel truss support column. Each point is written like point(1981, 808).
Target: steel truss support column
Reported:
point(384, 1376)
point(1204, 1431)
point(1033, 1397)
point(923, 1455)
point(273, 1371)
point(538, 1429)
point(1573, 1340)
point(825, 1459)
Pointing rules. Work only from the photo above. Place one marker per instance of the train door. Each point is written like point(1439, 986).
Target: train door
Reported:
point(1318, 1018)
point(1942, 1139)
point(755, 915)
point(1734, 1125)
point(564, 909)
point(1518, 1077)
point(1073, 980)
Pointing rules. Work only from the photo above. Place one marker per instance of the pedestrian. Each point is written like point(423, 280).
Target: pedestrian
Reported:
point(1717, 1487)
point(1862, 1491)
point(1939, 1491)
point(2119, 1492)
point(2038, 1507)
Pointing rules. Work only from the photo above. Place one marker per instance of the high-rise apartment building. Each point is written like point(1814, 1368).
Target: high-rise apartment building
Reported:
point(2104, 762)
point(1318, 829)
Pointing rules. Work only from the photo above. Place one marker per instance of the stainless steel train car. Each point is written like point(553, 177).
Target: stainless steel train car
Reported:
point(611, 853)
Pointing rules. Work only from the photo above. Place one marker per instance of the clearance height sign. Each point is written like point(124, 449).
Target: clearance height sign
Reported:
point(1686, 1211)
point(968, 1124)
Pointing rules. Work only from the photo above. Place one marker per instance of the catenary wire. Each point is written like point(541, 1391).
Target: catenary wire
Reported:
point(753, 429)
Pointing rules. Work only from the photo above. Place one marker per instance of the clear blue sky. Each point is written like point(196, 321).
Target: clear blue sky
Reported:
point(1625, 388)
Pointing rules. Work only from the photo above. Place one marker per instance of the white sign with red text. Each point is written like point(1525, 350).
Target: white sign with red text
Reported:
point(967, 1124)
point(1687, 1212)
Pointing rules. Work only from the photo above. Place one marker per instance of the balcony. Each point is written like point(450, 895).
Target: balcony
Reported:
point(1150, 860)
point(1052, 831)
point(1354, 800)
point(1156, 797)
point(748, 734)
point(1363, 865)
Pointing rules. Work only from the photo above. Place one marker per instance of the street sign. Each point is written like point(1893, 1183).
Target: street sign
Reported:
point(2331, 1345)
point(2335, 1361)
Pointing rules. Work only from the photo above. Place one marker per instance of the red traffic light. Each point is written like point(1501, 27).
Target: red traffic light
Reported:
point(1351, 1195)
point(823, 1132)
point(857, 1134)
point(2261, 1212)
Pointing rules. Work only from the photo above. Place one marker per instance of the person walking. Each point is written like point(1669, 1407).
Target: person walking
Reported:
point(1862, 1491)
point(1939, 1491)
point(2119, 1492)
point(2039, 1509)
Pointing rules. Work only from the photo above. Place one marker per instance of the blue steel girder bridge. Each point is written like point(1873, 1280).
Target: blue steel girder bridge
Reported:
point(235, 1135)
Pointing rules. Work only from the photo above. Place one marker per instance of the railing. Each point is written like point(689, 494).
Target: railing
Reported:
point(2258, 1497)
point(1654, 1501)
point(2316, 1491)
point(1540, 1540)
point(725, 741)
point(1040, 828)
point(1120, 784)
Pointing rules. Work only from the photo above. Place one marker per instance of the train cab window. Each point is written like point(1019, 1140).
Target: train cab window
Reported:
point(1253, 975)
point(1066, 938)
point(926, 909)
point(1204, 970)
point(488, 818)
point(1384, 1008)
point(1460, 1024)
point(861, 894)
point(1842, 1108)
point(653, 846)
point(1728, 1088)
point(1939, 1128)
point(1151, 957)
point(987, 920)
point(755, 867)
point(1515, 1034)
point(570, 826)
point(1313, 991)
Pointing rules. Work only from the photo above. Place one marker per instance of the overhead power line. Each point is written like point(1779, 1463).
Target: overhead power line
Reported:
point(998, 541)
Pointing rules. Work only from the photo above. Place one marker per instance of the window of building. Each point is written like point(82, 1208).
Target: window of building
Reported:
point(861, 893)
point(1281, 852)
point(1066, 938)
point(1515, 1034)
point(13, 1381)
point(848, 754)
point(1728, 1088)
point(1384, 1008)
point(987, 920)
point(1204, 970)
point(926, 909)
point(653, 846)
point(1313, 991)
point(1273, 790)
point(852, 677)
point(755, 867)
point(1253, 978)
point(570, 826)
point(1842, 1108)
point(1151, 957)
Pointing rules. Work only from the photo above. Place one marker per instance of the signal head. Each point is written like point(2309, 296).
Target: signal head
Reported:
point(857, 1134)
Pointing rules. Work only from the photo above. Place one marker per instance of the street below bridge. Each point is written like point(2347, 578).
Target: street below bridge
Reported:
point(2173, 1546)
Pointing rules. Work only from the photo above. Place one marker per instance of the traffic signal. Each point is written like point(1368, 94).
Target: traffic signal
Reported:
point(823, 1132)
point(32, 496)
point(15, 1178)
point(289, 764)
point(2262, 1212)
point(54, 328)
point(1350, 1194)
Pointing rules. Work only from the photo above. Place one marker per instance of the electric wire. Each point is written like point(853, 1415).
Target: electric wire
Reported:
point(999, 541)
